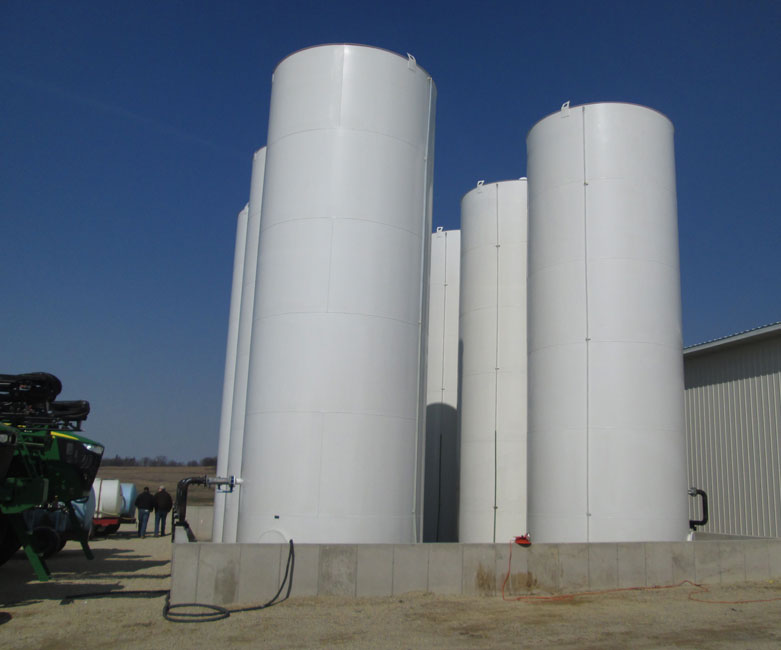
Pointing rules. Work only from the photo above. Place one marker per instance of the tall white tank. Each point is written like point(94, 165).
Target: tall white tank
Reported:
point(606, 428)
point(230, 368)
point(243, 344)
point(440, 509)
point(336, 391)
point(492, 408)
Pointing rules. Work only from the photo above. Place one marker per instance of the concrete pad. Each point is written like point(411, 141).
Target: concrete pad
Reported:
point(631, 564)
point(479, 570)
point(543, 566)
point(603, 566)
point(184, 572)
point(518, 581)
point(658, 564)
point(410, 568)
point(374, 570)
point(306, 574)
point(683, 561)
point(444, 568)
point(706, 562)
point(757, 560)
point(774, 557)
point(259, 576)
point(337, 572)
point(218, 574)
point(573, 567)
point(732, 562)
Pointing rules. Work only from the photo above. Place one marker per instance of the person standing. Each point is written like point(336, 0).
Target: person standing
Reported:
point(163, 505)
point(145, 502)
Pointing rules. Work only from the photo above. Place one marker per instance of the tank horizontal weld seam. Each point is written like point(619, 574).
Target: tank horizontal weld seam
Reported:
point(388, 226)
point(330, 516)
point(611, 177)
point(577, 260)
point(675, 430)
point(492, 308)
point(670, 346)
point(552, 189)
point(411, 323)
point(372, 413)
point(638, 430)
point(421, 147)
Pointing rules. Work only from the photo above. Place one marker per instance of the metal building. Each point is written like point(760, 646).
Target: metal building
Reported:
point(440, 503)
point(733, 431)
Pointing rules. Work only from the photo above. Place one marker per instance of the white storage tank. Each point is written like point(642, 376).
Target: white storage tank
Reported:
point(607, 460)
point(108, 497)
point(492, 407)
point(230, 368)
point(440, 508)
point(243, 342)
point(129, 494)
point(336, 389)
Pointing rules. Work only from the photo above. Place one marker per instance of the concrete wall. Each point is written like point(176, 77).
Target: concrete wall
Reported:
point(224, 574)
point(200, 519)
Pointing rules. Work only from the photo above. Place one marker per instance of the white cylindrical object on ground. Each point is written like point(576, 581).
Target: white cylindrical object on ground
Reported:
point(108, 497)
point(336, 391)
point(606, 429)
point(441, 475)
point(230, 368)
point(243, 344)
point(492, 409)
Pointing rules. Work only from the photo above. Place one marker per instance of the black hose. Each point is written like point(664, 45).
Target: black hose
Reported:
point(214, 613)
point(217, 613)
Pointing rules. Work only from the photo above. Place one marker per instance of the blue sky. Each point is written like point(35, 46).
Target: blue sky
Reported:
point(126, 139)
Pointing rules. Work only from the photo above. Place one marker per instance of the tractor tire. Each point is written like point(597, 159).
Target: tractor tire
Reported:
point(46, 541)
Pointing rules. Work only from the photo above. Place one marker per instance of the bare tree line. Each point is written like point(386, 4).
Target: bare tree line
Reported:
point(157, 461)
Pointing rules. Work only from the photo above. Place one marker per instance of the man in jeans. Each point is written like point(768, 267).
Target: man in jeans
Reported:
point(145, 502)
point(163, 505)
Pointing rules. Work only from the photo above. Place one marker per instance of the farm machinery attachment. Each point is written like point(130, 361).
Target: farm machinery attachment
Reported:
point(45, 466)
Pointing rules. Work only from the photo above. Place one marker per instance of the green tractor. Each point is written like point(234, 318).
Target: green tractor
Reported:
point(45, 466)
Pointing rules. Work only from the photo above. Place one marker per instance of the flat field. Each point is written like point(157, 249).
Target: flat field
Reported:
point(154, 477)
point(32, 615)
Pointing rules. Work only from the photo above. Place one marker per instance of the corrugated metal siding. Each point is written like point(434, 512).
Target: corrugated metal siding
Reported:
point(733, 426)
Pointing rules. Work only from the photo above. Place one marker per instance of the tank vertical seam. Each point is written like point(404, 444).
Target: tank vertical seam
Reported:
point(588, 330)
point(444, 332)
point(496, 363)
point(441, 389)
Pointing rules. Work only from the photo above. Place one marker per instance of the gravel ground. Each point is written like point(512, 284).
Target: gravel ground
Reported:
point(32, 616)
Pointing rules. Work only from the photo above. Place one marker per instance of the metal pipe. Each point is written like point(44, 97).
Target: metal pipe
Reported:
point(693, 523)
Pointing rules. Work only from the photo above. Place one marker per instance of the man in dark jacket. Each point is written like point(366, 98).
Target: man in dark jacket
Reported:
point(145, 502)
point(163, 505)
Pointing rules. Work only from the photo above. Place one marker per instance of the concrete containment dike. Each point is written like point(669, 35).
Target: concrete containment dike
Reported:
point(607, 460)
point(332, 448)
